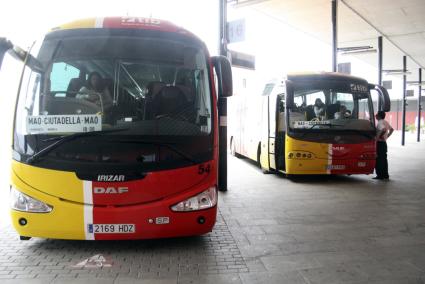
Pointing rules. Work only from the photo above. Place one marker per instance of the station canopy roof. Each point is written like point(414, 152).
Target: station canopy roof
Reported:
point(360, 22)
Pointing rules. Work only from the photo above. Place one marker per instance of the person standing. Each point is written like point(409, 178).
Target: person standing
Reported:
point(383, 131)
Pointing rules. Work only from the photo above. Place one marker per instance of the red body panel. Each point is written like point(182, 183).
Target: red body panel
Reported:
point(353, 158)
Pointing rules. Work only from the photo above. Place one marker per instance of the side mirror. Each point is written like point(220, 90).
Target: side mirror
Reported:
point(384, 102)
point(289, 94)
point(5, 45)
point(223, 69)
point(19, 54)
point(24, 56)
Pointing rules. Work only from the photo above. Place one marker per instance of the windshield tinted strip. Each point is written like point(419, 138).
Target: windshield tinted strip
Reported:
point(138, 33)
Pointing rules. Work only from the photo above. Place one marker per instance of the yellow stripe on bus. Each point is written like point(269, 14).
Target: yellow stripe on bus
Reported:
point(66, 220)
point(79, 24)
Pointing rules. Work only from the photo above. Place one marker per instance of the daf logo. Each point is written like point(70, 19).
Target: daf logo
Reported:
point(110, 177)
point(109, 190)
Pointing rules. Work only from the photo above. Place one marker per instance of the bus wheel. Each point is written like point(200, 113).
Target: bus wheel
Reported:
point(233, 149)
point(259, 160)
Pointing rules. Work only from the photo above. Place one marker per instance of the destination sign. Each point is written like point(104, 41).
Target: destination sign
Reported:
point(63, 123)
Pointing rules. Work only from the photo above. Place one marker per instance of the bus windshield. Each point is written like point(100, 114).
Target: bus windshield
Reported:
point(155, 90)
point(329, 106)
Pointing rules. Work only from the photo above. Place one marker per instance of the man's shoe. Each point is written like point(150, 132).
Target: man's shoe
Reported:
point(378, 178)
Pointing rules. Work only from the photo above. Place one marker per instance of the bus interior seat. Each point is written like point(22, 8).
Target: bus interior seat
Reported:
point(332, 109)
point(188, 92)
point(309, 112)
point(75, 84)
point(169, 100)
point(154, 88)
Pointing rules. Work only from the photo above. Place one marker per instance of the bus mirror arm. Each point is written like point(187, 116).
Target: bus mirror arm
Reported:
point(223, 69)
point(5, 45)
point(289, 95)
point(384, 102)
point(19, 54)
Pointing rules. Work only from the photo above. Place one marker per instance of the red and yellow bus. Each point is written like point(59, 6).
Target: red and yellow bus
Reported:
point(282, 131)
point(132, 154)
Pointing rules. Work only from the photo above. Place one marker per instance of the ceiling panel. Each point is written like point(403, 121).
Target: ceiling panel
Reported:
point(401, 23)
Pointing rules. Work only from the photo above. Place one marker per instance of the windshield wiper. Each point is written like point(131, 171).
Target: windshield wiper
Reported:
point(326, 124)
point(66, 138)
point(314, 125)
point(162, 144)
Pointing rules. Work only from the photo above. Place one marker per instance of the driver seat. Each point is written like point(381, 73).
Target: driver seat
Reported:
point(309, 112)
point(170, 100)
point(75, 84)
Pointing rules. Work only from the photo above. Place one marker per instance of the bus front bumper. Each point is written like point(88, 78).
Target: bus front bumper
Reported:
point(326, 167)
point(70, 220)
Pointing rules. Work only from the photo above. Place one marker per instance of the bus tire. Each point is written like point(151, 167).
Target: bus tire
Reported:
point(259, 160)
point(233, 149)
point(259, 155)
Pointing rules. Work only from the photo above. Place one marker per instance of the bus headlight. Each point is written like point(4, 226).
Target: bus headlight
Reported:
point(22, 202)
point(204, 200)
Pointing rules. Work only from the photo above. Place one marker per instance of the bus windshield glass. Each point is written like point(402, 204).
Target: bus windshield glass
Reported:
point(329, 106)
point(154, 90)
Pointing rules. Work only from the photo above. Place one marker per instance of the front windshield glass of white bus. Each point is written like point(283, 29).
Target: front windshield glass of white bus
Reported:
point(335, 108)
point(155, 88)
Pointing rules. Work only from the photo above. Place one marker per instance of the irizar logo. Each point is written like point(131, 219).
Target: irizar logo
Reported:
point(109, 190)
point(110, 177)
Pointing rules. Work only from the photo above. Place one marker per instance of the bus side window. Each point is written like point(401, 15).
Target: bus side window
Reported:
point(61, 76)
point(299, 104)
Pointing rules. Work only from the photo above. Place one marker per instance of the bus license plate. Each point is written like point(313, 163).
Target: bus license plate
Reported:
point(335, 167)
point(112, 228)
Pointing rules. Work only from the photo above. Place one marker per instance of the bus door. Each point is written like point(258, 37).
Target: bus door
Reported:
point(246, 126)
point(268, 136)
point(280, 131)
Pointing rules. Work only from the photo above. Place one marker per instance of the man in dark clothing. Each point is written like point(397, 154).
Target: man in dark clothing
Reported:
point(383, 131)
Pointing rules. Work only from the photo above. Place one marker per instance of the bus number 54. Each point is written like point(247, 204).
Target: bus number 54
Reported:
point(204, 169)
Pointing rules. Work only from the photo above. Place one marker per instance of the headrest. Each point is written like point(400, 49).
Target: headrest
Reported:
point(155, 87)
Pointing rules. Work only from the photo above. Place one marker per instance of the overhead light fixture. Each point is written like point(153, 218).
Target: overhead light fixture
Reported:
point(244, 3)
point(356, 50)
point(359, 52)
point(396, 72)
point(415, 83)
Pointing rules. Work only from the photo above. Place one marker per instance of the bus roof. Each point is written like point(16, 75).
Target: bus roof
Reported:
point(308, 76)
point(124, 23)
